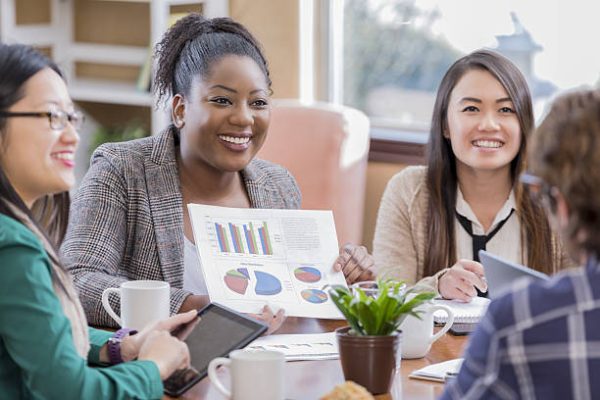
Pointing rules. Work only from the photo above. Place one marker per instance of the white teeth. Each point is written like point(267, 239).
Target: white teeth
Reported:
point(64, 156)
point(490, 144)
point(236, 140)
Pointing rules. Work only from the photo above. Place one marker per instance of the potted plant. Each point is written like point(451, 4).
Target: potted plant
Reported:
point(369, 345)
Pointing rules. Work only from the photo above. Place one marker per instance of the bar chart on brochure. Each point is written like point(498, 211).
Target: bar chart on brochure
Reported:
point(243, 238)
point(253, 257)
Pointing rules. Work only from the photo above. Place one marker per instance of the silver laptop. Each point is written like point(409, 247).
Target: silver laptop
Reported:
point(500, 274)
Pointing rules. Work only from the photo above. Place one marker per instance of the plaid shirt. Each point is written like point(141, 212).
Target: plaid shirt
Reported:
point(539, 341)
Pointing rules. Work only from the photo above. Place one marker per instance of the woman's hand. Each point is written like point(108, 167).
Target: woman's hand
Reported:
point(194, 302)
point(356, 263)
point(460, 281)
point(131, 345)
point(274, 320)
point(166, 351)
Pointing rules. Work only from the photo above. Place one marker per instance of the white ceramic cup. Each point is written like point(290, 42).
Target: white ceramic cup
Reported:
point(370, 288)
point(417, 334)
point(254, 375)
point(142, 302)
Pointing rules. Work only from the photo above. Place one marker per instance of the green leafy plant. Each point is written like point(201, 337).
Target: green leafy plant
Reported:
point(380, 315)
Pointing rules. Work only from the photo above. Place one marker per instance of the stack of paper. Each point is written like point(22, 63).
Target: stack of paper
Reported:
point(437, 372)
point(299, 347)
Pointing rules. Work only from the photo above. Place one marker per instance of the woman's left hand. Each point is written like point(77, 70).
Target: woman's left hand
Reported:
point(356, 263)
point(274, 320)
point(130, 346)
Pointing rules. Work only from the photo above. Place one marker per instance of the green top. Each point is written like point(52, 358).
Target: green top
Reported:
point(37, 356)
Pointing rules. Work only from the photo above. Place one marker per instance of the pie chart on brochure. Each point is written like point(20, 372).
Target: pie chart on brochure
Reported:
point(314, 296)
point(266, 284)
point(237, 280)
point(307, 274)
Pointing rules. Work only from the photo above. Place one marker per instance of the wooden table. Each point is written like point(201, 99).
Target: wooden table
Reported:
point(313, 379)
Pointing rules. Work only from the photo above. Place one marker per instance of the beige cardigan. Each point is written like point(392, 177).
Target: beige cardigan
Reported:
point(400, 238)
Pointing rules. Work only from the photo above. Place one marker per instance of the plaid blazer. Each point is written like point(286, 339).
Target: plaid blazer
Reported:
point(540, 340)
point(126, 219)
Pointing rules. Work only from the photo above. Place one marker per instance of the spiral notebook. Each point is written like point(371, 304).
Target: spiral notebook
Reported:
point(464, 313)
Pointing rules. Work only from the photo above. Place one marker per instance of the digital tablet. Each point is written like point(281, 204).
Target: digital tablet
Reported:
point(219, 331)
point(500, 273)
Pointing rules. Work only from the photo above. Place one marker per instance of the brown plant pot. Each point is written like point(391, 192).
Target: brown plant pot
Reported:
point(369, 361)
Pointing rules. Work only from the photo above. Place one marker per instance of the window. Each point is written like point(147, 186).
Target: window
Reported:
point(396, 51)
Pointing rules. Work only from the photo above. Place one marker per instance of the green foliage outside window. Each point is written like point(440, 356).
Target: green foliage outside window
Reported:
point(384, 47)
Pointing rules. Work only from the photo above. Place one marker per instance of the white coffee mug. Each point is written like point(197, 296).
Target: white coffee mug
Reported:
point(254, 375)
point(142, 302)
point(417, 334)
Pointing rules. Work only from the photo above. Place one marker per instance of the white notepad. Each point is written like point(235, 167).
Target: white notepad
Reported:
point(437, 372)
point(463, 312)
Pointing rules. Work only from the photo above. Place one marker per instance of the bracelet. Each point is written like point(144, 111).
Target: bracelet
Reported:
point(114, 345)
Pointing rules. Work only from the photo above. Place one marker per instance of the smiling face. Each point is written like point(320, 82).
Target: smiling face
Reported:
point(226, 115)
point(37, 159)
point(482, 123)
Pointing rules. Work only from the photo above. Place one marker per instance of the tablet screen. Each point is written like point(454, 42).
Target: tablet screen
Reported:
point(219, 332)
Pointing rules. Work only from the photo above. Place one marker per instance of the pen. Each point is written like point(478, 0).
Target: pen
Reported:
point(450, 375)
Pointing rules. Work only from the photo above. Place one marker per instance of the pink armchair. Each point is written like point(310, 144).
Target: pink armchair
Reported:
point(326, 148)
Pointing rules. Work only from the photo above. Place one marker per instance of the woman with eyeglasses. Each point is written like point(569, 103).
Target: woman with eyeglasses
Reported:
point(433, 220)
point(539, 340)
point(47, 350)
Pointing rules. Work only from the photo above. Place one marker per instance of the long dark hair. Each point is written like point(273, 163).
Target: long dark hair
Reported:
point(18, 63)
point(442, 178)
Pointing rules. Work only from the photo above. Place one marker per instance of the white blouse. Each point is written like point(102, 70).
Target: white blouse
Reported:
point(507, 241)
point(193, 277)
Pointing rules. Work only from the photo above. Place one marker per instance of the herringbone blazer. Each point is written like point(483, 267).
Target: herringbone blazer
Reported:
point(126, 219)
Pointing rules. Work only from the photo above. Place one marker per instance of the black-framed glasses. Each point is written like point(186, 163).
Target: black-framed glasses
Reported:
point(539, 190)
point(58, 119)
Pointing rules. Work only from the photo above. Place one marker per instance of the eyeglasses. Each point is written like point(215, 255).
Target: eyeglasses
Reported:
point(58, 119)
point(540, 191)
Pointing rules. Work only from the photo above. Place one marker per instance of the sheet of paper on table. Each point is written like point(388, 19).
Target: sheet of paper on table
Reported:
point(437, 372)
point(300, 347)
point(253, 257)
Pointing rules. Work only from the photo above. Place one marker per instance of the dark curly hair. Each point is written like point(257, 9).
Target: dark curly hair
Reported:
point(193, 44)
point(565, 153)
